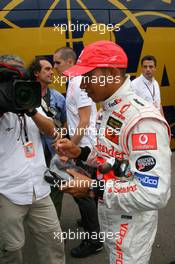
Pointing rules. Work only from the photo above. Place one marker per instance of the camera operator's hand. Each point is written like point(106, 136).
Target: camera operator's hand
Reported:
point(45, 124)
point(65, 147)
point(79, 186)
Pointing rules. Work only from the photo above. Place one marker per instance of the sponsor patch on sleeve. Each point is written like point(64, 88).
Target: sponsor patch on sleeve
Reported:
point(144, 141)
point(147, 180)
point(114, 123)
point(145, 163)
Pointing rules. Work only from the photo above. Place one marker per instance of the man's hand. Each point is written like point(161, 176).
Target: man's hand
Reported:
point(79, 186)
point(64, 147)
point(45, 124)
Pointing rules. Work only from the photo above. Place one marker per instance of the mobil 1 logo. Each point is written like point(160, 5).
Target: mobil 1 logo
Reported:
point(145, 163)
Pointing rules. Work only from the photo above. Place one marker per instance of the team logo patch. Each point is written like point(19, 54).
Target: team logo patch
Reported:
point(147, 180)
point(114, 123)
point(144, 141)
point(145, 163)
point(112, 135)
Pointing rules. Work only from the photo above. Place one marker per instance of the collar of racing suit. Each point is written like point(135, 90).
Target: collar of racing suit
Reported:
point(120, 93)
point(110, 104)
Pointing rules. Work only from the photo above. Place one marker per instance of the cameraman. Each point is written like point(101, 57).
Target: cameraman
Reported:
point(24, 195)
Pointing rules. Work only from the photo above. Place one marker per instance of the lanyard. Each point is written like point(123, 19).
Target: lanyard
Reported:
point(152, 93)
point(23, 127)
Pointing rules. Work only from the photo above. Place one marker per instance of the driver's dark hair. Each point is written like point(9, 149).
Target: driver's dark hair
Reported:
point(122, 70)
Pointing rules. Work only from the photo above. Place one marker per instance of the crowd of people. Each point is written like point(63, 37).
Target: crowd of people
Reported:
point(125, 146)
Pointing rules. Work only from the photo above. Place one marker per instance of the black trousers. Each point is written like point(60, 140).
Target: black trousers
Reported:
point(88, 211)
point(88, 207)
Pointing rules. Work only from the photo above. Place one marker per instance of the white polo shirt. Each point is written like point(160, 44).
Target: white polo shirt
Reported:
point(20, 176)
point(75, 99)
point(149, 91)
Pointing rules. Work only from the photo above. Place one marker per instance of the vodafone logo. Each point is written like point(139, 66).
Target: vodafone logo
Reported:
point(143, 139)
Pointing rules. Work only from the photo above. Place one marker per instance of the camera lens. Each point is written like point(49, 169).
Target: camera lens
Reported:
point(24, 97)
point(27, 94)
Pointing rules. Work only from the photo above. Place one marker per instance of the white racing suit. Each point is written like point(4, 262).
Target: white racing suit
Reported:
point(128, 211)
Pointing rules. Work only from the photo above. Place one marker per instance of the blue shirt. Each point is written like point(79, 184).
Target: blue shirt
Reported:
point(57, 101)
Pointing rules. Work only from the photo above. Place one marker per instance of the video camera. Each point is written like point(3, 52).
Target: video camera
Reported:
point(17, 93)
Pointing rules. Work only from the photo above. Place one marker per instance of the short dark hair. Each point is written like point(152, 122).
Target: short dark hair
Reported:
point(149, 58)
point(122, 70)
point(67, 53)
point(35, 67)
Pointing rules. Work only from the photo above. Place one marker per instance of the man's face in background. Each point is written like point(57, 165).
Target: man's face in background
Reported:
point(60, 64)
point(148, 69)
point(46, 72)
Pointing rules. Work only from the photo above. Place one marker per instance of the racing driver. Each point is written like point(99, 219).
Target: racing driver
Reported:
point(134, 135)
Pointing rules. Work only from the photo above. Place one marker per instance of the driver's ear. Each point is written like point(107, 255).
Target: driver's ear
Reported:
point(70, 62)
